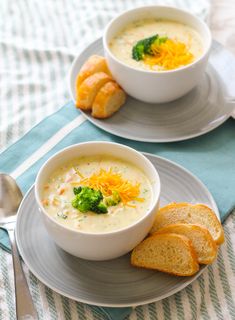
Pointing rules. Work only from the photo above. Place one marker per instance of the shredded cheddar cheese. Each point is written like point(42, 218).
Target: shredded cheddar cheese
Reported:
point(109, 181)
point(169, 55)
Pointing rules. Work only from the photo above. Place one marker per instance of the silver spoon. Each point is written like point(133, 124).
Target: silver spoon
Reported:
point(10, 199)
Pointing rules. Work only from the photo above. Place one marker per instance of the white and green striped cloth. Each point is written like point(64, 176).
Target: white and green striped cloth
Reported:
point(38, 41)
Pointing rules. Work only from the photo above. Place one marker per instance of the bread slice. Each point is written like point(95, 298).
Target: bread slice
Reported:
point(108, 100)
point(89, 88)
point(93, 64)
point(203, 243)
point(188, 213)
point(168, 252)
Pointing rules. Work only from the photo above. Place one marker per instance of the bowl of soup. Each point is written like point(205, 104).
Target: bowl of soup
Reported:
point(98, 199)
point(157, 53)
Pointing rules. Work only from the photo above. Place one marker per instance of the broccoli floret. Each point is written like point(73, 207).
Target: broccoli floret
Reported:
point(101, 208)
point(144, 46)
point(77, 190)
point(87, 199)
point(112, 200)
point(160, 40)
point(138, 51)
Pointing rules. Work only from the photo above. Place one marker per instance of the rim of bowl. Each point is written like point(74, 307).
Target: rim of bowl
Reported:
point(155, 198)
point(205, 26)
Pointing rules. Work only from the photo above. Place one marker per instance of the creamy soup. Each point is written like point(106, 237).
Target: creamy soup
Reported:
point(125, 191)
point(183, 46)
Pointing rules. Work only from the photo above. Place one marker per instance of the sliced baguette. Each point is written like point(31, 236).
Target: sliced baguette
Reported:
point(108, 100)
point(187, 213)
point(94, 64)
point(168, 252)
point(89, 88)
point(203, 243)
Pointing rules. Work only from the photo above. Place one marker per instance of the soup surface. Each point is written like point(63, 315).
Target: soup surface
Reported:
point(126, 194)
point(183, 45)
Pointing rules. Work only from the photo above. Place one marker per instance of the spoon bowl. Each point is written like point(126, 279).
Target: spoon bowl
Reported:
point(10, 196)
point(10, 199)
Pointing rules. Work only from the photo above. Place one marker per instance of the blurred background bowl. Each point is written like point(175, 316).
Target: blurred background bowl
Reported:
point(157, 86)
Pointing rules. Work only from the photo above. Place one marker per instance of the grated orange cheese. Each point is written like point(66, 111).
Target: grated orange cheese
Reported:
point(169, 55)
point(109, 181)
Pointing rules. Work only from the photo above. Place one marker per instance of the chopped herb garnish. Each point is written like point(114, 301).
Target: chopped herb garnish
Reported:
point(62, 215)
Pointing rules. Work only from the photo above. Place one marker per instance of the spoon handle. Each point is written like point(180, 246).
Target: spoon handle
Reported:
point(25, 309)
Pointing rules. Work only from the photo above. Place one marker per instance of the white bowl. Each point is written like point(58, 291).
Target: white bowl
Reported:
point(157, 86)
point(99, 246)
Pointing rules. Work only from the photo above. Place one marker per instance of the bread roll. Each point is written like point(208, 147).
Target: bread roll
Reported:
point(203, 243)
point(108, 100)
point(168, 252)
point(89, 88)
point(93, 64)
point(188, 213)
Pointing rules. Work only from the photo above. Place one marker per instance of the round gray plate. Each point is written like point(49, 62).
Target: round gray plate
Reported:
point(112, 283)
point(200, 111)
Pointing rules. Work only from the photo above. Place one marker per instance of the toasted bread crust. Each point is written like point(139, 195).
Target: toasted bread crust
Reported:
point(162, 239)
point(92, 93)
point(94, 64)
point(108, 100)
point(165, 217)
point(203, 243)
point(89, 88)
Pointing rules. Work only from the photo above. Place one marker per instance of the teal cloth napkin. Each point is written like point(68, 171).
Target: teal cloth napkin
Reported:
point(210, 157)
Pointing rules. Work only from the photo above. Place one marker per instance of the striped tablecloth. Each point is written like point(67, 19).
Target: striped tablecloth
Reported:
point(38, 41)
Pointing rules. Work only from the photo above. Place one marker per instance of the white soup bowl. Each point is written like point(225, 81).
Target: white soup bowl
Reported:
point(157, 86)
point(99, 246)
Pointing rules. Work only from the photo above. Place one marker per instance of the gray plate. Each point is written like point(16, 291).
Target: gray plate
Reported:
point(202, 110)
point(110, 283)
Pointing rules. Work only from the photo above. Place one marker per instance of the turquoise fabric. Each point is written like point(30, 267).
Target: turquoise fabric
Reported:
point(210, 157)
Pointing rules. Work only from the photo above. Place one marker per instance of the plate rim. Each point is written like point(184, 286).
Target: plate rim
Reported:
point(95, 122)
point(118, 305)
